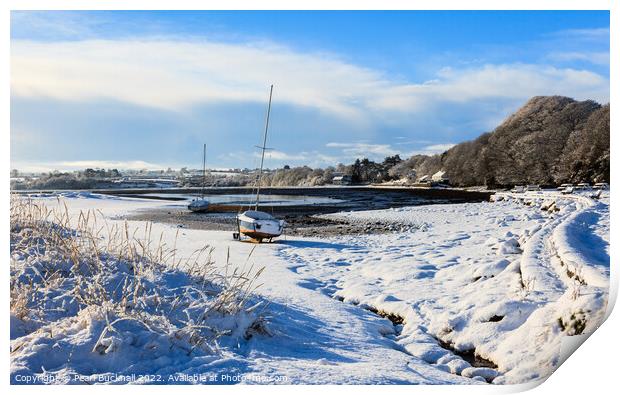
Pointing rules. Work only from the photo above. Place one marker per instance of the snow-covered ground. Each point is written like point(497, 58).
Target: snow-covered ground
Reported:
point(505, 281)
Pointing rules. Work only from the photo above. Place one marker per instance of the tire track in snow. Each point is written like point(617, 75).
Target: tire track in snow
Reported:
point(549, 262)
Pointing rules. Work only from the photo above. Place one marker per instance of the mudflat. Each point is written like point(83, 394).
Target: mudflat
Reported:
point(306, 219)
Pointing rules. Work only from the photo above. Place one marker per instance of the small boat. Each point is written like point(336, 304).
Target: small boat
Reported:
point(201, 205)
point(259, 225)
point(255, 224)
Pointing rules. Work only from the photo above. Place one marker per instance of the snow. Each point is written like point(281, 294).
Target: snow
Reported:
point(580, 247)
point(119, 314)
point(506, 280)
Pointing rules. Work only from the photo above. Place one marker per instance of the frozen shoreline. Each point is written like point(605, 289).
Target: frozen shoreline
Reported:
point(487, 277)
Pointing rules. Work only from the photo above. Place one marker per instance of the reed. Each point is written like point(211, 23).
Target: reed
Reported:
point(63, 265)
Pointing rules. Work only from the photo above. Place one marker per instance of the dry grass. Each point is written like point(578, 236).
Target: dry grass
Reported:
point(61, 266)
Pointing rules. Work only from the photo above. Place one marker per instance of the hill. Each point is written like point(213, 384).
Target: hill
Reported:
point(550, 140)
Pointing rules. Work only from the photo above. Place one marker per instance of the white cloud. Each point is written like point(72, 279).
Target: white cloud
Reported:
point(270, 155)
point(512, 81)
point(364, 150)
point(599, 58)
point(274, 158)
point(282, 156)
point(437, 148)
point(172, 75)
point(53, 24)
point(380, 151)
point(594, 34)
point(313, 159)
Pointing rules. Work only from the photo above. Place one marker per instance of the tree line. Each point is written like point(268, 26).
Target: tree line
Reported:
point(549, 141)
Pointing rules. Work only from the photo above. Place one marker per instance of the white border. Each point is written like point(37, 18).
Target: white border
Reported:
point(591, 369)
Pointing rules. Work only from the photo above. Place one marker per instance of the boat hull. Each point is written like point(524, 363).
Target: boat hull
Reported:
point(198, 210)
point(259, 225)
point(257, 235)
point(198, 206)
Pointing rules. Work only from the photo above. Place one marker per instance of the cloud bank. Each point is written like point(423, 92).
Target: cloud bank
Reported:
point(329, 108)
point(173, 75)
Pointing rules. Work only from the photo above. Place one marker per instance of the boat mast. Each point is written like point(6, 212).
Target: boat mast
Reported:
point(204, 170)
point(263, 148)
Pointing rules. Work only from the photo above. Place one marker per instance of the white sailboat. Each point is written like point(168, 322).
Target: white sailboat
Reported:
point(259, 225)
point(201, 205)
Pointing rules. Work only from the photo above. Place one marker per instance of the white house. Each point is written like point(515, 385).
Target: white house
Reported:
point(440, 176)
point(342, 180)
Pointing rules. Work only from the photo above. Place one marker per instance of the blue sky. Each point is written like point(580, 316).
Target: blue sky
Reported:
point(146, 89)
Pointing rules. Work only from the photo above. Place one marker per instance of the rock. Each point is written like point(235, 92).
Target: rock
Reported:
point(458, 365)
point(428, 352)
point(487, 373)
point(447, 358)
point(510, 246)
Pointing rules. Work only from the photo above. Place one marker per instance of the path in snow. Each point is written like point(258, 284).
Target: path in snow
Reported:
point(486, 277)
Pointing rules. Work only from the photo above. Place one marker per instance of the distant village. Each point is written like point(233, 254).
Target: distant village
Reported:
point(191, 178)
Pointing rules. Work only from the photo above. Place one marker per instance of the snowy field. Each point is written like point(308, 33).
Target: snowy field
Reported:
point(495, 285)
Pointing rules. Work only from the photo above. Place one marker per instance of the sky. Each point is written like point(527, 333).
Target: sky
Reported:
point(145, 89)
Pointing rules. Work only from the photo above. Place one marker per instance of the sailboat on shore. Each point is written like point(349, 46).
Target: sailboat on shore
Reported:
point(201, 205)
point(256, 224)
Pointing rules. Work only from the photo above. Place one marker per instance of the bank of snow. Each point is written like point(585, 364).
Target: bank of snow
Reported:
point(499, 283)
point(89, 306)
